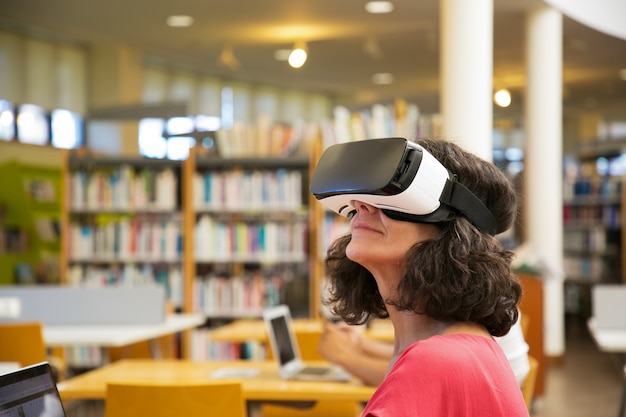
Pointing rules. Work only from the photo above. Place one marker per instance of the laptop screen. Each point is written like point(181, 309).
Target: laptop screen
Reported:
point(283, 339)
point(30, 392)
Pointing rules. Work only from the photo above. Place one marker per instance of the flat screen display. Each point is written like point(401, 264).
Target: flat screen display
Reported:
point(33, 126)
point(152, 144)
point(7, 120)
point(66, 129)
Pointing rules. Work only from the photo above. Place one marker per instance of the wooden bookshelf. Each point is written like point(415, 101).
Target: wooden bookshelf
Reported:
point(122, 224)
point(251, 228)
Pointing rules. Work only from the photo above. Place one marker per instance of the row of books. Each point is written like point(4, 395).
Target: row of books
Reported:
point(124, 239)
point(606, 188)
point(124, 188)
point(130, 275)
point(14, 240)
point(87, 357)
point(596, 240)
point(232, 295)
point(400, 119)
point(205, 349)
point(247, 190)
point(593, 215)
point(270, 241)
point(332, 227)
point(589, 269)
point(266, 139)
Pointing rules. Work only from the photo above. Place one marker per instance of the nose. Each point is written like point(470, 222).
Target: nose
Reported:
point(362, 206)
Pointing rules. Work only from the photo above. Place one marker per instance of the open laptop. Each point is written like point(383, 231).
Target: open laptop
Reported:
point(285, 349)
point(30, 392)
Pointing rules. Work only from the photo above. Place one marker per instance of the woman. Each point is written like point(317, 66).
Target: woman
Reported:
point(448, 289)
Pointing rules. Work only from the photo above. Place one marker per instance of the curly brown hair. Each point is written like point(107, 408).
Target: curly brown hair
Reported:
point(461, 275)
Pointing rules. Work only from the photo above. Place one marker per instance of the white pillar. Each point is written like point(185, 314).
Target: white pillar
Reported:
point(466, 72)
point(543, 164)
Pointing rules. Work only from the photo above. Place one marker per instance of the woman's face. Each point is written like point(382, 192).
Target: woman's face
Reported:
point(379, 241)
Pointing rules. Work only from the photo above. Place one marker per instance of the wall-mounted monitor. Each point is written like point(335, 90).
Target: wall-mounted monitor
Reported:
point(7, 120)
point(180, 125)
point(33, 125)
point(67, 129)
point(152, 144)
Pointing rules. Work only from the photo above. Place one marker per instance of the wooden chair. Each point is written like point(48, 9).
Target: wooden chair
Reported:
point(22, 342)
point(128, 399)
point(528, 387)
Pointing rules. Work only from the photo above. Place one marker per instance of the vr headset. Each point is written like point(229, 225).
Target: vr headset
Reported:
point(398, 176)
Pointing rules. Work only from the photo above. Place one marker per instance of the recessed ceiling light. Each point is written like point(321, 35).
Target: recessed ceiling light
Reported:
point(179, 21)
point(382, 78)
point(297, 57)
point(378, 7)
point(502, 98)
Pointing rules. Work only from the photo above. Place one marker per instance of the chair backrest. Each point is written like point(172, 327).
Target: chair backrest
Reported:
point(308, 342)
point(528, 387)
point(132, 399)
point(22, 342)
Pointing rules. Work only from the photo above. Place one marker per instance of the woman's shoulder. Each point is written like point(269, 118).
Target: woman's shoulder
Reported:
point(449, 350)
point(451, 342)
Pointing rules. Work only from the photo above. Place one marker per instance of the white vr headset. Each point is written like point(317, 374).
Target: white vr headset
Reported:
point(398, 176)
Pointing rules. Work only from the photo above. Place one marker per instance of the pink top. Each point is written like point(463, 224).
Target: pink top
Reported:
point(456, 375)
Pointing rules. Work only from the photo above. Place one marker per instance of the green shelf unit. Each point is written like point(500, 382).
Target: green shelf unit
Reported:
point(31, 199)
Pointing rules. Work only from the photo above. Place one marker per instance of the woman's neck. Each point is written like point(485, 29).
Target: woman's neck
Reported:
point(411, 327)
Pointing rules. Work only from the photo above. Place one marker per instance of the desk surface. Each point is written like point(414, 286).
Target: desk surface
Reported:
point(117, 335)
point(608, 340)
point(266, 385)
point(254, 330)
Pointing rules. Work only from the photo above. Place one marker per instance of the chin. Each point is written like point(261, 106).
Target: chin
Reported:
point(359, 253)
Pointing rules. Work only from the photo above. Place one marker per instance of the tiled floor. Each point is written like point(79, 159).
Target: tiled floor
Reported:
point(588, 383)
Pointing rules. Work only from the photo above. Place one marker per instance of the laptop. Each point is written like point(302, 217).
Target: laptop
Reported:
point(30, 392)
point(285, 349)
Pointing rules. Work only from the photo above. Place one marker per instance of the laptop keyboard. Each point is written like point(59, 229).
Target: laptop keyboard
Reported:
point(314, 370)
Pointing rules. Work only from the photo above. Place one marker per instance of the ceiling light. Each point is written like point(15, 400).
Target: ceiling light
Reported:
point(502, 98)
point(298, 56)
point(378, 7)
point(179, 21)
point(382, 78)
point(228, 59)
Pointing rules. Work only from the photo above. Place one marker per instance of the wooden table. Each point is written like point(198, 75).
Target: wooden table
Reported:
point(240, 331)
point(263, 385)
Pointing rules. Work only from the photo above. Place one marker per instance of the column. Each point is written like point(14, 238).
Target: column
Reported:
point(466, 72)
point(543, 163)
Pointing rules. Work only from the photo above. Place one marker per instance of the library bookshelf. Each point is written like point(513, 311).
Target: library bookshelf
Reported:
point(593, 222)
point(30, 241)
point(251, 234)
point(225, 236)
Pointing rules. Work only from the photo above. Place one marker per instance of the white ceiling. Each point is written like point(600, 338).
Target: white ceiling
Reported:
point(336, 32)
